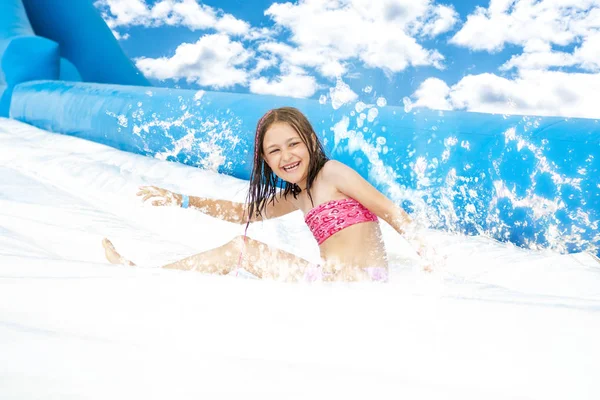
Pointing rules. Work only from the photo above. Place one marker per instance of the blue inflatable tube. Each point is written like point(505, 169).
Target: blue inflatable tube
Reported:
point(49, 39)
point(85, 40)
point(530, 180)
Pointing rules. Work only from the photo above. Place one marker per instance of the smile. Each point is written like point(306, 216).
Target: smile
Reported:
point(291, 167)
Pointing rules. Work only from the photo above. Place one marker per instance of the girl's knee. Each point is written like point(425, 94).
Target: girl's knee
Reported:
point(249, 247)
point(238, 242)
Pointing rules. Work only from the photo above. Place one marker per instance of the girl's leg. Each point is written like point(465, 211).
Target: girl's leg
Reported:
point(112, 255)
point(257, 258)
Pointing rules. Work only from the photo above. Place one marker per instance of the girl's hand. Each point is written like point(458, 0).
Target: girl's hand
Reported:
point(430, 258)
point(162, 197)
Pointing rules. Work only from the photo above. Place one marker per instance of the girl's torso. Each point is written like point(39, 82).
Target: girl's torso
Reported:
point(357, 242)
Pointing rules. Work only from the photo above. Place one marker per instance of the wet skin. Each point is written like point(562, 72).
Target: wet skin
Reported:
point(360, 245)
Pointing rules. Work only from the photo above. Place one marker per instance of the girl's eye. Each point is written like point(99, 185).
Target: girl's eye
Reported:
point(293, 144)
point(273, 151)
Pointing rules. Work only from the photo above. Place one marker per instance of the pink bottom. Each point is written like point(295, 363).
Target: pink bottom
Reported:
point(314, 273)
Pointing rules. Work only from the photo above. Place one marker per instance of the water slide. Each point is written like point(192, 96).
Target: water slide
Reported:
point(530, 180)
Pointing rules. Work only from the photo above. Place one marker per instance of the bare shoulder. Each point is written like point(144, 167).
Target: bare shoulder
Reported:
point(333, 169)
point(335, 173)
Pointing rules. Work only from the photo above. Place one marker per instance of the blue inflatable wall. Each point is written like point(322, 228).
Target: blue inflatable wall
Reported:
point(530, 180)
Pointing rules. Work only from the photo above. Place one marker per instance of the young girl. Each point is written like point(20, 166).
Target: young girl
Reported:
point(339, 206)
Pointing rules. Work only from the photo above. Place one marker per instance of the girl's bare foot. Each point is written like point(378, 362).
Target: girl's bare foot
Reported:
point(111, 254)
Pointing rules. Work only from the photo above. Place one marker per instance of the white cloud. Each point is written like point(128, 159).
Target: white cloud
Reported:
point(538, 27)
point(330, 33)
point(539, 60)
point(117, 13)
point(263, 64)
point(233, 26)
point(332, 68)
point(188, 13)
point(442, 19)
point(258, 34)
point(326, 64)
point(588, 54)
point(214, 61)
point(294, 83)
point(432, 93)
point(325, 35)
point(552, 34)
point(118, 36)
point(530, 93)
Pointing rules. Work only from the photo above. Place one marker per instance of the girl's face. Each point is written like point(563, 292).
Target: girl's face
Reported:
point(286, 154)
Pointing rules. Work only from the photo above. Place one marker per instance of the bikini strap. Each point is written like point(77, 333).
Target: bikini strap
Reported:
point(237, 271)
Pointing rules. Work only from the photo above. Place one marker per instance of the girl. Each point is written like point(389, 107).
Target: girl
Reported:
point(339, 207)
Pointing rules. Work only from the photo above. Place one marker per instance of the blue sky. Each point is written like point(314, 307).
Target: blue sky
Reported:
point(501, 56)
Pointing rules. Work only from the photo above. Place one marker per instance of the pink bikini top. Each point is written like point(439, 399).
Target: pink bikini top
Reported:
point(331, 217)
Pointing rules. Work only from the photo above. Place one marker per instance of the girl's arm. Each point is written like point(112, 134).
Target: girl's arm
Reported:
point(353, 185)
point(223, 209)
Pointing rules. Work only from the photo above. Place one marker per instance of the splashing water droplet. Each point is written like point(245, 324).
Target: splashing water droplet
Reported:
point(360, 121)
point(341, 94)
point(381, 102)
point(122, 120)
point(372, 114)
point(408, 106)
point(360, 106)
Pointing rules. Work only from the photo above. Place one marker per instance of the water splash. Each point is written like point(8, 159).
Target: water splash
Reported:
point(341, 94)
point(195, 140)
point(512, 188)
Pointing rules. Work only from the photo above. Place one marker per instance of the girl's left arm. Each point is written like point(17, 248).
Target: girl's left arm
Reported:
point(355, 186)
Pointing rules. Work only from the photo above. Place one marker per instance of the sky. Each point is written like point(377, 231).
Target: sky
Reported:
point(500, 56)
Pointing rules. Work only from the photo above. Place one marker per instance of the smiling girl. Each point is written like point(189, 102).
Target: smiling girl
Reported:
point(340, 208)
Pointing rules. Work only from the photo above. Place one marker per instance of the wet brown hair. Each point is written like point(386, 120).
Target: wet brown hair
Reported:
point(263, 182)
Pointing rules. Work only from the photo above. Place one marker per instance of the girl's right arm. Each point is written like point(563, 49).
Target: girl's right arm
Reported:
point(223, 209)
